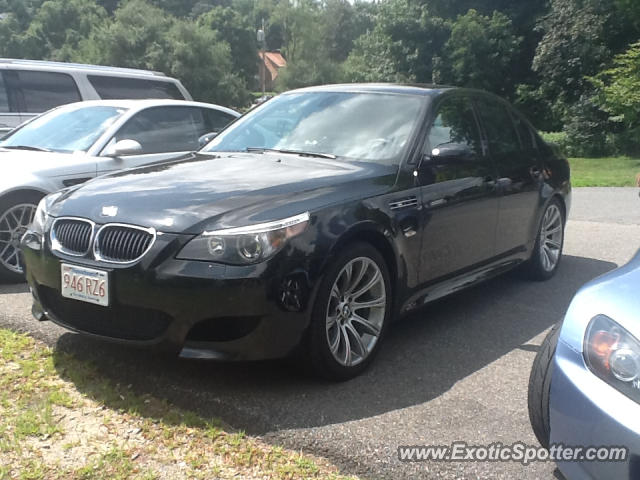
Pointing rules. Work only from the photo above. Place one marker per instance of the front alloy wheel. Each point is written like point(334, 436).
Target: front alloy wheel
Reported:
point(13, 224)
point(356, 311)
point(350, 314)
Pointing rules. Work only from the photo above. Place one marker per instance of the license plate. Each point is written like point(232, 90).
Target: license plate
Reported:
point(85, 284)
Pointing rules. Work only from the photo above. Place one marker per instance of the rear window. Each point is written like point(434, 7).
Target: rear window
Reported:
point(4, 98)
point(215, 120)
point(114, 88)
point(42, 91)
point(501, 133)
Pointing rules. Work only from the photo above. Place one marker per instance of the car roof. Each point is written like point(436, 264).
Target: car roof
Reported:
point(63, 66)
point(407, 89)
point(146, 103)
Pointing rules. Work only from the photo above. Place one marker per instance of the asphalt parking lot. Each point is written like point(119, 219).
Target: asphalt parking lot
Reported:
point(455, 371)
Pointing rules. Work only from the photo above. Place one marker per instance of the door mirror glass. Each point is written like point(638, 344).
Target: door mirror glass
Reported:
point(123, 148)
point(452, 152)
point(206, 138)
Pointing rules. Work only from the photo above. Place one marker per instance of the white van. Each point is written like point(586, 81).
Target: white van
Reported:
point(30, 87)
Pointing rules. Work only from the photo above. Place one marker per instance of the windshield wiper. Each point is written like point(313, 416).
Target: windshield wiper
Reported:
point(292, 152)
point(25, 147)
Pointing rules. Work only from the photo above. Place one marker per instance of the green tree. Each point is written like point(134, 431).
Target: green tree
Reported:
point(631, 10)
point(144, 36)
point(619, 96)
point(236, 30)
point(58, 27)
point(372, 60)
point(109, 5)
point(405, 43)
point(573, 46)
point(481, 52)
point(338, 28)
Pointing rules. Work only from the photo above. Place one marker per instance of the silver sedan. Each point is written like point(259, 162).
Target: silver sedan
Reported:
point(75, 143)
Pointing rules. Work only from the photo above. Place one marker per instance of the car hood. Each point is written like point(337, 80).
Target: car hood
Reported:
point(203, 192)
point(45, 163)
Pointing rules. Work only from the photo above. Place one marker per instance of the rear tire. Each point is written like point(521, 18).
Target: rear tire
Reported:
point(344, 335)
point(16, 213)
point(540, 386)
point(547, 250)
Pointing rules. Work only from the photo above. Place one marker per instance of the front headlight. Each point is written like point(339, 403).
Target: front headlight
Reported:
point(244, 245)
point(613, 354)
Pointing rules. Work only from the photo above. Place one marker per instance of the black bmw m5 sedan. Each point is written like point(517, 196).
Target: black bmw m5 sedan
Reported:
point(307, 226)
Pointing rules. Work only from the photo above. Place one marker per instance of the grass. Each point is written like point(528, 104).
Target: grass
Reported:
point(60, 419)
point(604, 172)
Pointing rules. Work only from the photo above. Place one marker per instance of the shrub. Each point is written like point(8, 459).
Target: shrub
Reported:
point(559, 139)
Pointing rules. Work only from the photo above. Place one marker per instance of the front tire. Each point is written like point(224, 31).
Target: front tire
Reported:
point(540, 386)
point(16, 214)
point(547, 250)
point(351, 313)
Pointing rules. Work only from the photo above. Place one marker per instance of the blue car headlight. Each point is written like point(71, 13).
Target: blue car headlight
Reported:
point(613, 354)
point(244, 245)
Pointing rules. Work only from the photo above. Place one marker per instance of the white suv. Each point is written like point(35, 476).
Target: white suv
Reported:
point(30, 87)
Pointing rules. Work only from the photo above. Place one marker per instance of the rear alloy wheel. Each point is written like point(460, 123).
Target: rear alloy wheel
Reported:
point(351, 313)
point(16, 215)
point(547, 250)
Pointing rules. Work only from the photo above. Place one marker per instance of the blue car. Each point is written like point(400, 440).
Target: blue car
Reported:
point(584, 388)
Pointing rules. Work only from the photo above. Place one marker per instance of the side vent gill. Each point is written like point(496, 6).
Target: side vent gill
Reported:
point(403, 203)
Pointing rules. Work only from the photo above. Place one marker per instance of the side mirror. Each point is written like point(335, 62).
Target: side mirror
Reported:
point(206, 138)
point(451, 152)
point(123, 148)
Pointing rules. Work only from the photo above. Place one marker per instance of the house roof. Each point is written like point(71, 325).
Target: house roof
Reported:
point(276, 58)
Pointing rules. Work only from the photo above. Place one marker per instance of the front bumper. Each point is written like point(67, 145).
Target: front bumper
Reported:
point(585, 411)
point(196, 309)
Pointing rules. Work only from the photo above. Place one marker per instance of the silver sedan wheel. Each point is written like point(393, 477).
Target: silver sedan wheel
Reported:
point(13, 224)
point(356, 311)
point(551, 234)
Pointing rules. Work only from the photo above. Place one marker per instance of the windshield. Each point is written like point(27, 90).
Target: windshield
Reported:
point(64, 130)
point(358, 126)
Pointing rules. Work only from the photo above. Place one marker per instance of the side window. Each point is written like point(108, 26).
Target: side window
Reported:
point(501, 132)
point(116, 88)
point(164, 129)
point(527, 139)
point(42, 91)
point(4, 96)
point(216, 120)
point(455, 123)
